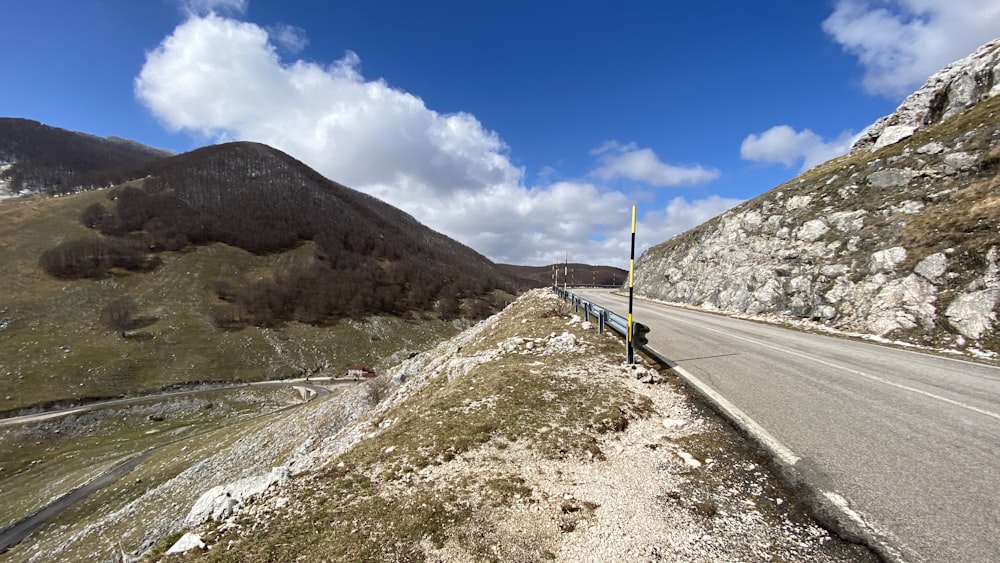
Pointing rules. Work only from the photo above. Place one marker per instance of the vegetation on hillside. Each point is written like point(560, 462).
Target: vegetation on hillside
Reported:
point(54, 349)
point(573, 274)
point(52, 160)
point(369, 258)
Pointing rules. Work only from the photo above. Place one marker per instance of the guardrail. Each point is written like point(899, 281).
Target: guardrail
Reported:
point(605, 318)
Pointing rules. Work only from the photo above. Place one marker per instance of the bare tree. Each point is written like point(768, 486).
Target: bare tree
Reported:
point(120, 315)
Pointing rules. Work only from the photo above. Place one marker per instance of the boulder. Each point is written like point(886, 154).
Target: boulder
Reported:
point(187, 542)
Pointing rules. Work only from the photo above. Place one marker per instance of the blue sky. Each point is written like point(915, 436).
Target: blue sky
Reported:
point(525, 129)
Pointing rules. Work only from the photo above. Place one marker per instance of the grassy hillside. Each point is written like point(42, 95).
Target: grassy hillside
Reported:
point(53, 347)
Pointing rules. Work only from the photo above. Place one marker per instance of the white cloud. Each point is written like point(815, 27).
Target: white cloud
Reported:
point(901, 43)
point(224, 79)
point(678, 216)
point(291, 38)
point(783, 144)
point(203, 7)
point(643, 165)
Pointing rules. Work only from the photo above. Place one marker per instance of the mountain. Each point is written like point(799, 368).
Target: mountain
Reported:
point(897, 239)
point(37, 158)
point(231, 262)
point(578, 274)
point(370, 258)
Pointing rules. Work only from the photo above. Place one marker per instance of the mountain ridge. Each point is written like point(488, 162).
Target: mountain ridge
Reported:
point(897, 241)
point(43, 159)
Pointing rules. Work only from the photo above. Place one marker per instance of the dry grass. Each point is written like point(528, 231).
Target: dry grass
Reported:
point(373, 506)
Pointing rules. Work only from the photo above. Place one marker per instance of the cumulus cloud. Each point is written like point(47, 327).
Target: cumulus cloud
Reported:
point(224, 79)
point(678, 216)
point(900, 43)
point(203, 7)
point(782, 144)
point(289, 37)
point(643, 165)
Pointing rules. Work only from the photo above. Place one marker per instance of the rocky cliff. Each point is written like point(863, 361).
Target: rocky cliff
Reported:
point(899, 238)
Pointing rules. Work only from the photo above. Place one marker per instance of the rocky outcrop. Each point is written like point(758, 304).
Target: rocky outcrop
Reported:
point(902, 243)
point(950, 91)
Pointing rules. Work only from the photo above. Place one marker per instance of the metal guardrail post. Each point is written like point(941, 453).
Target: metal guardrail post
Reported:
point(600, 321)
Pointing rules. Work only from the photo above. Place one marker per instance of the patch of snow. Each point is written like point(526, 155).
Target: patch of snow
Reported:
point(984, 354)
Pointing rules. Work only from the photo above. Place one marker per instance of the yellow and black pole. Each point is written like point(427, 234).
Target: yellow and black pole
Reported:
point(629, 345)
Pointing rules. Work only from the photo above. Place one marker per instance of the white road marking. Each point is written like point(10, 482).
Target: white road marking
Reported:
point(848, 370)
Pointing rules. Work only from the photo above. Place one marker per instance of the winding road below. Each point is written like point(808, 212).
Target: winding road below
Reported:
point(13, 534)
point(906, 444)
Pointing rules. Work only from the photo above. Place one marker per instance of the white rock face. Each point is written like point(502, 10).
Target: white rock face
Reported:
point(187, 542)
point(932, 267)
point(959, 161)
point(972, 313)
point(949, 91)
point(891, 178)
point(219, 503)
point(887, 260)
point(864, 247)
point(893, 134)
point(812, 230)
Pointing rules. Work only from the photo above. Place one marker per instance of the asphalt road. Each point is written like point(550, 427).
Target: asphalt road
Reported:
point(59, 413)
point(13, 534)
point(910, 441)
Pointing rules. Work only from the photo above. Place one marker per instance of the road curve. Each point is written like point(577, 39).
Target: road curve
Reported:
point(319, 391)
point(909, 441)
point(16, 532)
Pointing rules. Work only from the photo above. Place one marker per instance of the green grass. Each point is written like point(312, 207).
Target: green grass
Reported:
point(190, 437)
point(47, 459)
point(54, 348)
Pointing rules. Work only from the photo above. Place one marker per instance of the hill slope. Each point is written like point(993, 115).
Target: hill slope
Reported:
point(39, 158)
point(525, 438)
point(248, 265)
point(370, 257)
point(899, 238)
point(578, 274)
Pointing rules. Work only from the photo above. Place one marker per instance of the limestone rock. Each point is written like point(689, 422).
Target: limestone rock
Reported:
point(221, 502)
point(932, 267)
point(891, 178)
point(972, 313)
point(812, 230)
point(887, 260)
point(866, 246)
point(959, 161)
point(187, 542)
point(947, 92)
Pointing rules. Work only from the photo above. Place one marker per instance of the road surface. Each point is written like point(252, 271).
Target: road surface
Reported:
point(59, 413)
point(910, 441)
